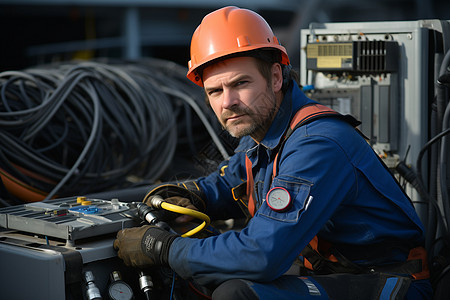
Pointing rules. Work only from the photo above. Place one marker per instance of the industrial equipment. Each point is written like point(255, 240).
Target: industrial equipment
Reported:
point(63, 249)
point(386, 74)
point(49, 247)
point(395, 78)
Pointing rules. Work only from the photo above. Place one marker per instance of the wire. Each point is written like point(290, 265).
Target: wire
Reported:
point(425, 148)
point(197, 291)
point(441, 220)
point(443, 166)
point(83, 127)
point(202, 117)
point(172, 288)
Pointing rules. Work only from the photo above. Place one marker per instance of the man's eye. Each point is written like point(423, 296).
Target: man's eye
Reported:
point(212, 92)
point(242, 82)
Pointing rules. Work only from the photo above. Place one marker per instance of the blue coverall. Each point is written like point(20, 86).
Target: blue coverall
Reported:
point(340, 193)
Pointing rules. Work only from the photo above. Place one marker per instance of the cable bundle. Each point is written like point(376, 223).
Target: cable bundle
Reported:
point(80, 127)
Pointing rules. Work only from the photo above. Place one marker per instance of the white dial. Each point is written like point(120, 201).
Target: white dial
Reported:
point(119, 290)
point(278, 199)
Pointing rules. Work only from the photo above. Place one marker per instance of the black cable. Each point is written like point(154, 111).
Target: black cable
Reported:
point(443, 110)
point(443, 167)
point(433, 202)
point(425, 148)
point(84, 127)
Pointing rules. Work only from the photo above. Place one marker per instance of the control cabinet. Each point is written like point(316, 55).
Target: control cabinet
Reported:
point(384, 74)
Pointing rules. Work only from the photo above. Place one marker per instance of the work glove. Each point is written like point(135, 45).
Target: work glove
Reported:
point(143, 247)
point(185, 194)
point(176, 200)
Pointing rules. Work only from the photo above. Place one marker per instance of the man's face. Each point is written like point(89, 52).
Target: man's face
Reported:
point(241, 98)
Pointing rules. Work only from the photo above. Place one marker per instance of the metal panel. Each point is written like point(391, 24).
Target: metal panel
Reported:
point(68, 219)
point(31, 274)
point(409, 92)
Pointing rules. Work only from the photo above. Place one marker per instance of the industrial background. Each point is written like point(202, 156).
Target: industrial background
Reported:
point(38, 31)
point(94, 102)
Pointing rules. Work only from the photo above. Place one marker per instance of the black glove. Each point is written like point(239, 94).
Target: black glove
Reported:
point(145, 246)
point(185, 194)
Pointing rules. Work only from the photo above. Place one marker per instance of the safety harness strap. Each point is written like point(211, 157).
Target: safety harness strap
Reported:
point(308, 113)
point(305, 114)
point(250, 183)
point(416, 264)
point(327, 263)
point(316, 253)
point(317, 256)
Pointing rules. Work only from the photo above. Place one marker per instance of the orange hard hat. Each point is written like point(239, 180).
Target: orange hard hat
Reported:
point(226, 31)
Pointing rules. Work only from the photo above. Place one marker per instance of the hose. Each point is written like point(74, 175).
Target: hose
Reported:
point(189, 212)
point(145, 212)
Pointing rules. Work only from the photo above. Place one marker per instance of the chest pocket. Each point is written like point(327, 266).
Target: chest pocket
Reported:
point(299, 190)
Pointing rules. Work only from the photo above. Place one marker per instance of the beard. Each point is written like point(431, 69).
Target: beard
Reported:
point(255, 121)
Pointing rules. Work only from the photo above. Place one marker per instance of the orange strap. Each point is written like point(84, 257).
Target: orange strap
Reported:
point(250, 196)
point(420, 253)
point(303, 115)
point(321, 247)
point(308, 112)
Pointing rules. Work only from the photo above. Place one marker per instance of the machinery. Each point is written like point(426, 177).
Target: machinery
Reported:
point(392, 77)
point(63, 249)
point(58, 242)
point(395, 78)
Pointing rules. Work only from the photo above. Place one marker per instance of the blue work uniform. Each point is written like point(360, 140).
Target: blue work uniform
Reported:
point(340, 192)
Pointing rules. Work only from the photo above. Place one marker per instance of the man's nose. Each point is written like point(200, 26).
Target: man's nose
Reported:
point(230, 99)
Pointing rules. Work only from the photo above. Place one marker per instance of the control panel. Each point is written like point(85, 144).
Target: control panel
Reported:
point(63, 249)
point(70, 219)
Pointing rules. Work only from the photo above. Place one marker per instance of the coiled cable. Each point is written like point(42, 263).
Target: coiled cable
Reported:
point(83, 127)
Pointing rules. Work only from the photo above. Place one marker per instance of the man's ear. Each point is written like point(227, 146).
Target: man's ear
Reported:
point(277, 77)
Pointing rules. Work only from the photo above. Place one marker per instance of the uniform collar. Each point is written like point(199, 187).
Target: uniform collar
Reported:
point(292, 101)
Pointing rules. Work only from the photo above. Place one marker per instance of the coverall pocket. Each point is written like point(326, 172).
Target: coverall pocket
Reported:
point(298, 190)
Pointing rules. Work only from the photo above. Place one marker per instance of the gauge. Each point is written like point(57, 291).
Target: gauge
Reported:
point(278, 199)
point(119, 289)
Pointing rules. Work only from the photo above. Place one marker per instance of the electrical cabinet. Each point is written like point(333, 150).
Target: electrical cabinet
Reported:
point(383, 73)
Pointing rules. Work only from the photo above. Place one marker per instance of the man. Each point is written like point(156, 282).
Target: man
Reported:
point(320, 183)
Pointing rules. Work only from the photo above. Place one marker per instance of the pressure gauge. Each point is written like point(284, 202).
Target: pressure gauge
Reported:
point(119, 289)
point(278, 199)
